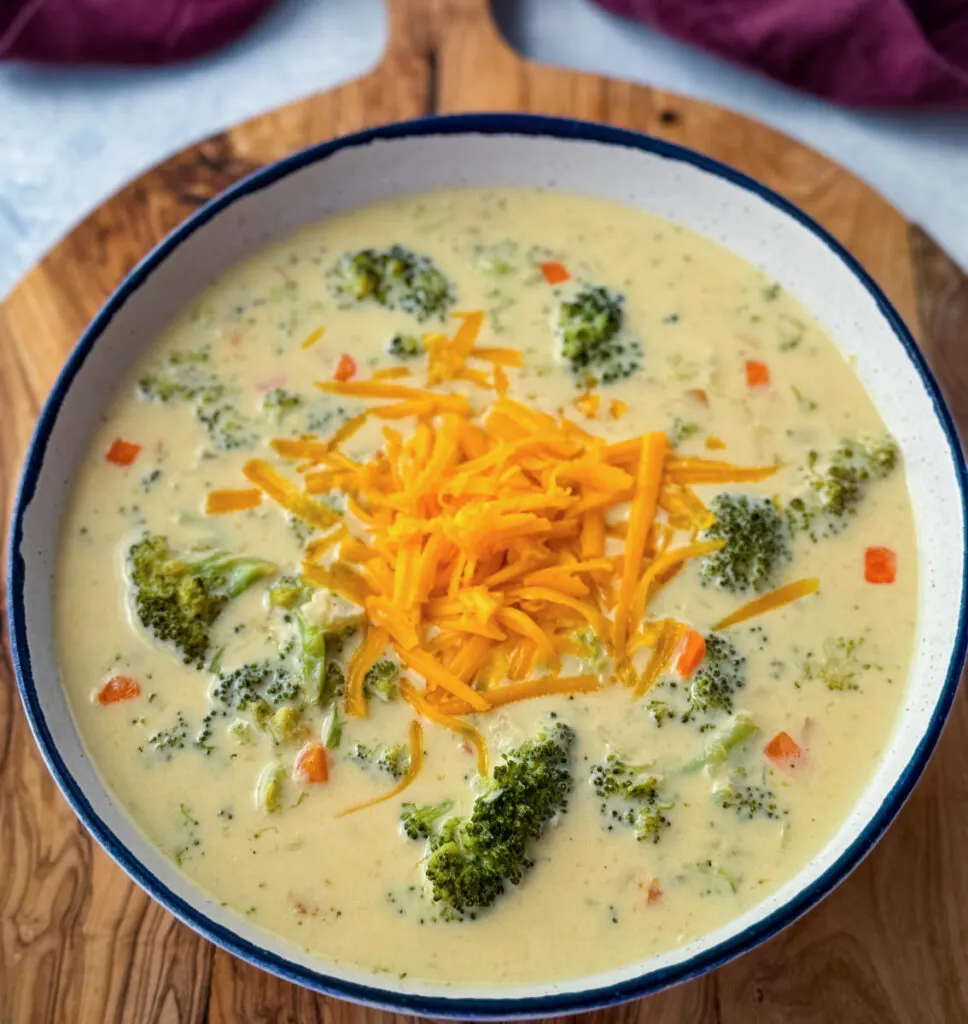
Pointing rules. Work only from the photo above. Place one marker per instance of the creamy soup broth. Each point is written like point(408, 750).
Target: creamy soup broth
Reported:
point(829, 670)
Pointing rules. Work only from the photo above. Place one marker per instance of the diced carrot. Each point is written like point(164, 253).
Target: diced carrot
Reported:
point(698, 395)
point(757, 374)
point(715, 444)
point(123, 453)
point(784, 749)
point(118, 688)
point(692, 653)
point(880, 565)
point(554, 273)
point(311, 764)
point(237, 500)
point(345, 367)
point(654, 891)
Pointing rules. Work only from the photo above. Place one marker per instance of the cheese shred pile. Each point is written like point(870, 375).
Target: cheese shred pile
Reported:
point(486, 546)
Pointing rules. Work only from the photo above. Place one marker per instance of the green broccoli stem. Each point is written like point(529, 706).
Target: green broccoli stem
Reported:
point(312, 640)
point(178, 599)
point(333, 728)
point(231, 575)
point(740, 730)
point(269, 787)
point(419, 822)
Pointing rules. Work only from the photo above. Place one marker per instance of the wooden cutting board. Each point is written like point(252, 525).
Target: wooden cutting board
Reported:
point(80, 943)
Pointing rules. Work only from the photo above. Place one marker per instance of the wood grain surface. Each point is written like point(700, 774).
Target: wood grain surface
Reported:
point(80, 943)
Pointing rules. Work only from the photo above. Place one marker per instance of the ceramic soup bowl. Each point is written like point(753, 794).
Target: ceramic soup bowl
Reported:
point(699, 193)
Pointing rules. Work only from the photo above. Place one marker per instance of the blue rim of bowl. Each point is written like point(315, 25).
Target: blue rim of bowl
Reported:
point(500, 1007)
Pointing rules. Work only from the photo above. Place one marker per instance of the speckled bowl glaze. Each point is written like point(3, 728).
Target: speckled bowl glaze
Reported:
point(642, 172)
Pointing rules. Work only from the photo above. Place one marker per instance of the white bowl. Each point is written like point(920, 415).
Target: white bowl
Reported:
point(488, 149)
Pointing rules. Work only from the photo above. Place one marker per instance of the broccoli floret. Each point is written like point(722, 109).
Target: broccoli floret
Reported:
point(721, 674)
point(834, 485)
point(256, 684)
point(286, 724)
point(420, 822)
point(279, 402)
point(335, 682)
point(590, 334)
point(242, 688)
point(267, 692)
point(716, 872)
point(496, 260)
point(405, 346)
point(178, 598)
point(718, 748)
point(473, 859)
point(424, 291)
point(394, 760)
point(186, 377)
point(682, 430)
point(227, 428)
point(358, 276)
point(632, 795)
point(396, 278)
point(172, 738)
point(748, 801)
point(206, 727)
point(660, 711)
point(839, 664)
point(182, 377)
point(616, 777)
point(756, 544)
point(381, 680)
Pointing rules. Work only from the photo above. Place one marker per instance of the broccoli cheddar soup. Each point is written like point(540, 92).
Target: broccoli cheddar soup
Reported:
point(483, 567)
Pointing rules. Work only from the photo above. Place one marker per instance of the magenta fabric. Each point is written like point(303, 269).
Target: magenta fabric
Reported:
point(860, 52)
point(121, 31)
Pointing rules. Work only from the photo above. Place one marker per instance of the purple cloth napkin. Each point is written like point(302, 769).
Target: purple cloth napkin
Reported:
point(863, 52)
point(121, 31)
point(860, 52)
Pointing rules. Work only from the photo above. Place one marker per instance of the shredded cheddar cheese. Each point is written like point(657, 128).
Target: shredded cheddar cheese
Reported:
point(313, 337)
point(240, 500)
point(414, 764)
point(784, 595)
point(478, 544)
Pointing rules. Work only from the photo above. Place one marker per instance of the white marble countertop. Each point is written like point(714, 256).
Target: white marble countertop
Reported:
point(68, 138)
